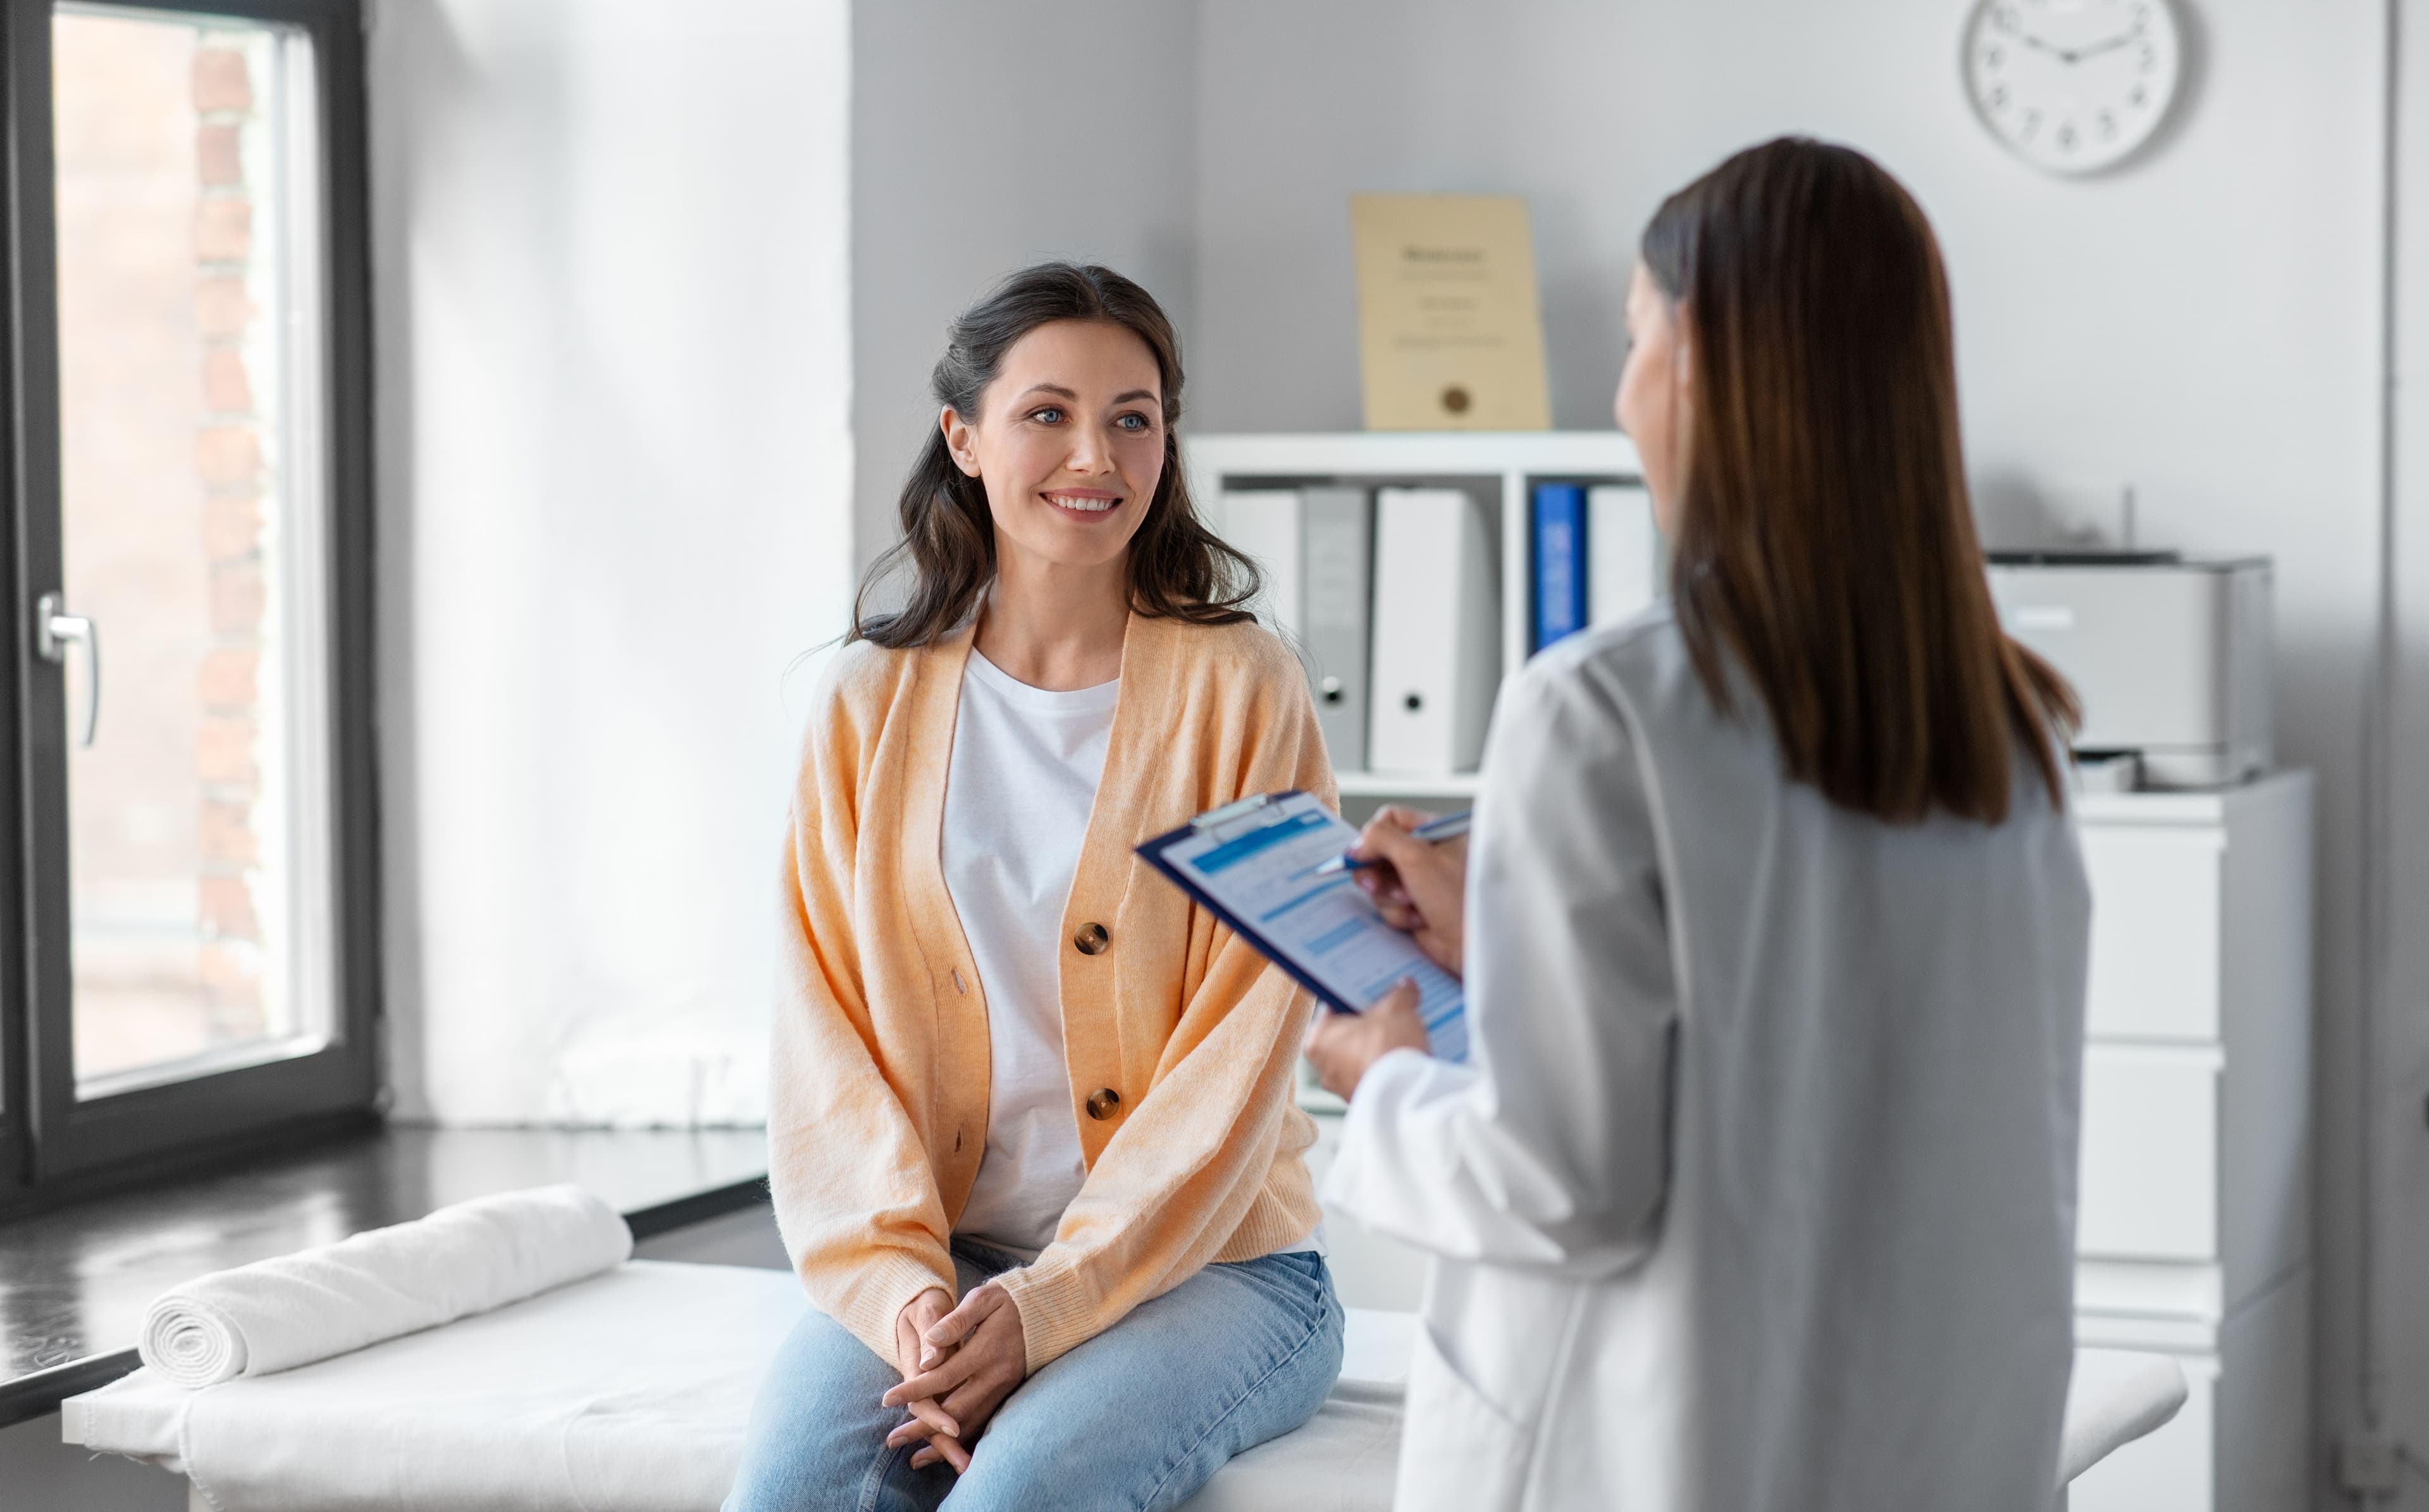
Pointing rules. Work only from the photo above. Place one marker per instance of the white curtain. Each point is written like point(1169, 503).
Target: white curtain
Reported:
point(611, 247)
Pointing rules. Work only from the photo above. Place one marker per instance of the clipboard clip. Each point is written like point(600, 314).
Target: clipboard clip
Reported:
point(1240, 817)
point(1216, 818)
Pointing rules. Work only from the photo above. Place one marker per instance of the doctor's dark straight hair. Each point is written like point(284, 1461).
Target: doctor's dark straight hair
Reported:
point(1826, 543)
point(1179, 569)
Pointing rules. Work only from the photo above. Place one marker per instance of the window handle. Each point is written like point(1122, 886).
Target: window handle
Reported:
point(54, 630)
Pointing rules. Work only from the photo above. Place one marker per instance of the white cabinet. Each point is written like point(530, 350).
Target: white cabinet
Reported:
point(2191, 1222)
point(2154, 940)
point(2149, 1188)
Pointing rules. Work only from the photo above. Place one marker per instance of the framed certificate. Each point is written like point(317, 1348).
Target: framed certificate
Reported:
point(1450, 332)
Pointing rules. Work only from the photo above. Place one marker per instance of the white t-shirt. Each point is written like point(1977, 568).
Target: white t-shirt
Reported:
point(1018, 794)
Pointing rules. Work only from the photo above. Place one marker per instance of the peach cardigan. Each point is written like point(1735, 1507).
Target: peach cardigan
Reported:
point(1181, 1042)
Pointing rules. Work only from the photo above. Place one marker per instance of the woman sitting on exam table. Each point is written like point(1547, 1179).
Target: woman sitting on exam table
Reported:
point(1758, 1191)
point(1031, 1140)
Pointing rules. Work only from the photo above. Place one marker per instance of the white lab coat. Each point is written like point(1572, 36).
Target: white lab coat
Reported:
point(1759, 1191)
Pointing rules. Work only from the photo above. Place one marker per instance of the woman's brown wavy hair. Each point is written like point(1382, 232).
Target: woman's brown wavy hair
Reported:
point(1826, 543)
point(1179, 569)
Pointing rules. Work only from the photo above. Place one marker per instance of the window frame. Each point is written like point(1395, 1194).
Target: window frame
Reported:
point(48, 1136)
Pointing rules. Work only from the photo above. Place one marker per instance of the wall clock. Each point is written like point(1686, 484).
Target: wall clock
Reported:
point(2072, 86)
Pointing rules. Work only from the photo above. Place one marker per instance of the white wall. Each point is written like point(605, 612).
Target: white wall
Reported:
point(989, 133)
point(2201, 325)
point(610, 272)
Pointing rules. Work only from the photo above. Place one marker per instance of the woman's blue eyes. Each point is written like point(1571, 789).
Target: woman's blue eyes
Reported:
point(1053, 415)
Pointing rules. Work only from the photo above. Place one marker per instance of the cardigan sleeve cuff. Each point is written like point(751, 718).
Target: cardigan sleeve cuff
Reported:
point(880, 1290)
point(1058, 1309)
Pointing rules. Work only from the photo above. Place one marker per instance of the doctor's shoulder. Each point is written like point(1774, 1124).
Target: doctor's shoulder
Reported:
point(1645, 652)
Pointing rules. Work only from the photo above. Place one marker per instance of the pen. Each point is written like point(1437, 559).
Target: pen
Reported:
point(1449, 827)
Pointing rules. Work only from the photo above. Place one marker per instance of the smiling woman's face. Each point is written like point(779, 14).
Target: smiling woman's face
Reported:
point(1069, 442)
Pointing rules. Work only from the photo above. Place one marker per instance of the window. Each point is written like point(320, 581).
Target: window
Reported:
point(189, 697)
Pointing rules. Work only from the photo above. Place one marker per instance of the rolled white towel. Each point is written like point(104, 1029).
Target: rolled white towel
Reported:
point(276, 1314)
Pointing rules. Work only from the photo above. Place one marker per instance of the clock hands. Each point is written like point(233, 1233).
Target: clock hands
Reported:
point(2068, 56)
point(2108, 46)
point(2009, 24)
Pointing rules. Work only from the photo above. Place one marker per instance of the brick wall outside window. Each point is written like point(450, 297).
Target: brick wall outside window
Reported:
point(229, 459)
point(168, 439)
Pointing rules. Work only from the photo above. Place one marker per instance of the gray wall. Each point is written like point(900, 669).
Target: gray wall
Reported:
point(2202, 324)
point(987, 135)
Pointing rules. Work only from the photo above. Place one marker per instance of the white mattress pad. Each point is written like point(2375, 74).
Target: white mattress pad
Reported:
point(627, 1392)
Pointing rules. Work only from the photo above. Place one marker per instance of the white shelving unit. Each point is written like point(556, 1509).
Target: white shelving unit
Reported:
point(1399, 784)
point(1501, 466)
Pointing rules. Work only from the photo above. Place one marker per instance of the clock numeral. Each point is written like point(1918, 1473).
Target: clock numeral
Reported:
point(2137, 98)
point(2150, 58)
point(1998, 97)
point(2032, 123)
point(2108, 125)
point(2066, 136)
point(1993, 56)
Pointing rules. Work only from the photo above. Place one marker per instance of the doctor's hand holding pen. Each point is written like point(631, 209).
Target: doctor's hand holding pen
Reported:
point(1419, 887)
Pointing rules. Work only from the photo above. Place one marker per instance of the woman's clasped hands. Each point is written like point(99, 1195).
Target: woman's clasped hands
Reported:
point(958, 1366)
point(1420, 888)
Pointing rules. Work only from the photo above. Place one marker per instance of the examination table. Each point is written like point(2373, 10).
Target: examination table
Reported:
point(628, 1393)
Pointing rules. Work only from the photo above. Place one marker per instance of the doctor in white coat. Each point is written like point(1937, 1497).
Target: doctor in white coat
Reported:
point(1759, 1190)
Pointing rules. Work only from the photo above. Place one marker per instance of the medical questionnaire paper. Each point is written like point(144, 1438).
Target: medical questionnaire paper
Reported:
point(1257, 871)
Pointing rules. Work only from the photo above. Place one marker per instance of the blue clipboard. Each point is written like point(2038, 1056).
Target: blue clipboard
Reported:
point(1252, 864)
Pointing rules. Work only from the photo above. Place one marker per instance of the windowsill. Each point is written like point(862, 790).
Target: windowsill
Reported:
point(210, 1062)
point(75, 1280)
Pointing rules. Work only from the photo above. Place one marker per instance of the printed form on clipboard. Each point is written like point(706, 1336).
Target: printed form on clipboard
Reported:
point(1253, 863)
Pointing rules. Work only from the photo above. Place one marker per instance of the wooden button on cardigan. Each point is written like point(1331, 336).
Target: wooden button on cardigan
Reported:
point(1178, 1031)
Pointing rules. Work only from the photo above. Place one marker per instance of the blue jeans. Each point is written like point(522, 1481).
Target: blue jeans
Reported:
point(1139, 1417)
